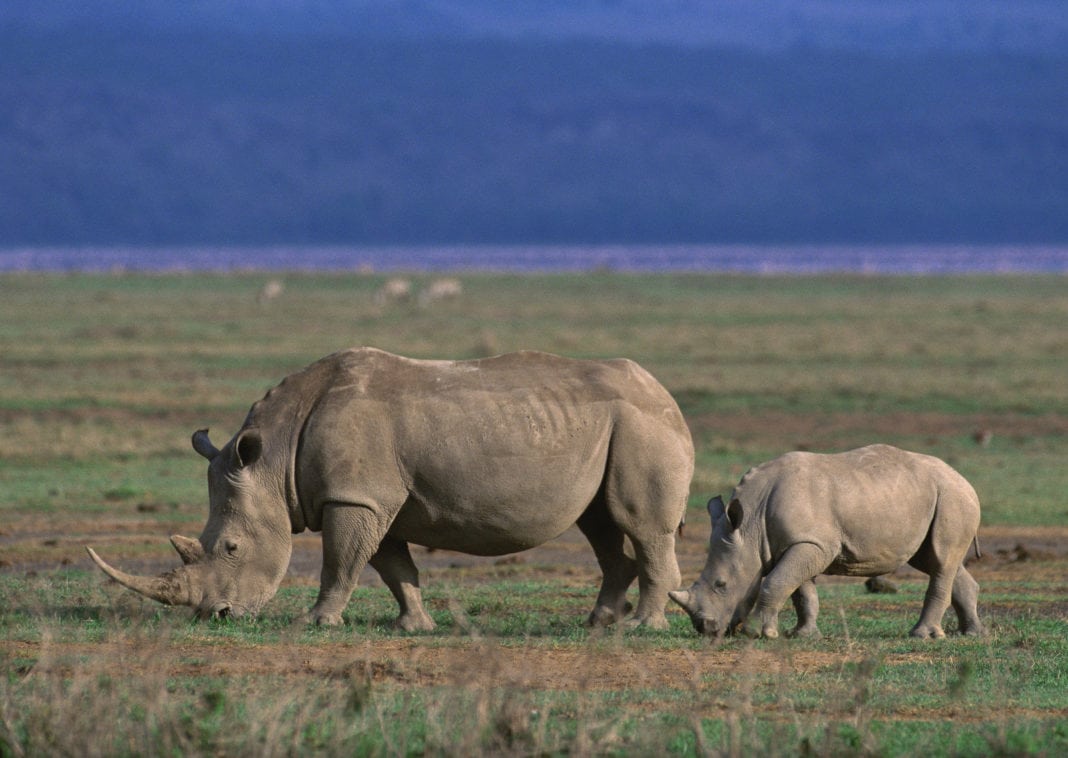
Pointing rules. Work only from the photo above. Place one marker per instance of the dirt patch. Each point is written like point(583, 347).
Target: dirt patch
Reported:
point(461, 661)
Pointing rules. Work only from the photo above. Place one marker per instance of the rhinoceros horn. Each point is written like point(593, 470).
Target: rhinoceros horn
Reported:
point(203, 445)
point(683, 598)
point(190, 550)
point(172, 588)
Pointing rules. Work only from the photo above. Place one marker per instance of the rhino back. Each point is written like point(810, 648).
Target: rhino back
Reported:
point(872, 507)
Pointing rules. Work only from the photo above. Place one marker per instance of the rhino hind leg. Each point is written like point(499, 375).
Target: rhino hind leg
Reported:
point(658, 574)
point(935, 601)
point(617, 568)
point(393, 562)
point(965, 599)
point(947, 584)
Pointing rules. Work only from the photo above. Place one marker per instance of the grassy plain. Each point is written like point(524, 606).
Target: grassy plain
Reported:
point(104, 377)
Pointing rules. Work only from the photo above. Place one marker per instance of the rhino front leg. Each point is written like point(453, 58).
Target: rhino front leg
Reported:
point(351, 535)
point(394, 564)
point(797, 566)
point(806, 602)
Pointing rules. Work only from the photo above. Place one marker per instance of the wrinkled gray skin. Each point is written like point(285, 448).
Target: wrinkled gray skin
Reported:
point(486, 457)
point(860, 513)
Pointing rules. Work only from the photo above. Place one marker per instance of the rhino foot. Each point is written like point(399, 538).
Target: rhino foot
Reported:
point(605, 616)
point(321, 619)
point(927, 632)
point(766, 633)
point(656, 621)
point(414, 622)
point(809, 630)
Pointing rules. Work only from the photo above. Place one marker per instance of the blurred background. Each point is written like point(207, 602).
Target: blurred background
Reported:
point(424, 123)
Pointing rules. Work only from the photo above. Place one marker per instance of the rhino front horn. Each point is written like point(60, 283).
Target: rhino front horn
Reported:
point(683, 598)
point(172, 588)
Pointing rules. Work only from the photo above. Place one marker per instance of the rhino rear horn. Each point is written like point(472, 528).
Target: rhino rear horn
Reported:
point(716, 508)
point(203, 445)
point(172, 588)
point(190, 550)
point(683, 598)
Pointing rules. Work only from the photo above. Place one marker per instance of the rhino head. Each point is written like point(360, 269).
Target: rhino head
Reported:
point(239, 561)
point(719, 601)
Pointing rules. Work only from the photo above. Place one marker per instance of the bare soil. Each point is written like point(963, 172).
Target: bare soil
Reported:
point(470, 661)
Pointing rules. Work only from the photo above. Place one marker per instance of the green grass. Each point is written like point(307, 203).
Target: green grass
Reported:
point(119, 370)
point(103, 379)
point(871, 689)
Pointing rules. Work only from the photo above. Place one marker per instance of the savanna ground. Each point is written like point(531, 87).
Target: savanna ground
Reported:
point(104, 377)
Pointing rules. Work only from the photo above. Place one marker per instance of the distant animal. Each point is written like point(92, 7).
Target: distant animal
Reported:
point(860, 513)
point(487, 457)
point(440, 289)
point(271, 290)
point(393, 290)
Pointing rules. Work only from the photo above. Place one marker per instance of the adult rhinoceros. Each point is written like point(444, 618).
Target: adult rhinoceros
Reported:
point(486, 457)
point(860, 513)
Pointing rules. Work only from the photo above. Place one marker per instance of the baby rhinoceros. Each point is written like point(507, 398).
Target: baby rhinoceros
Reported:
point(860, 513)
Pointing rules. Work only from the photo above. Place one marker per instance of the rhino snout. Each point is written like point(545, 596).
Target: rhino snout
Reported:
point(708, 627)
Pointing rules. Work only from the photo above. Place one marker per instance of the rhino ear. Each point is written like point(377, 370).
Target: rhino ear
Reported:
point(247, 448)
point(735, 513)
point(716, 508)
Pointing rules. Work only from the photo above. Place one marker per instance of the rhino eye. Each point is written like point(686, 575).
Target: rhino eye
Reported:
point(719, 584)
point(231, 547)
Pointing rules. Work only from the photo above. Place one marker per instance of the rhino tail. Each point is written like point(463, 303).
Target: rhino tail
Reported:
point(975, 544)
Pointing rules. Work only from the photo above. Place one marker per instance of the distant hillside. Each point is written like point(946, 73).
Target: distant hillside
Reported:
point(1029, 26)
point(174, 135)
